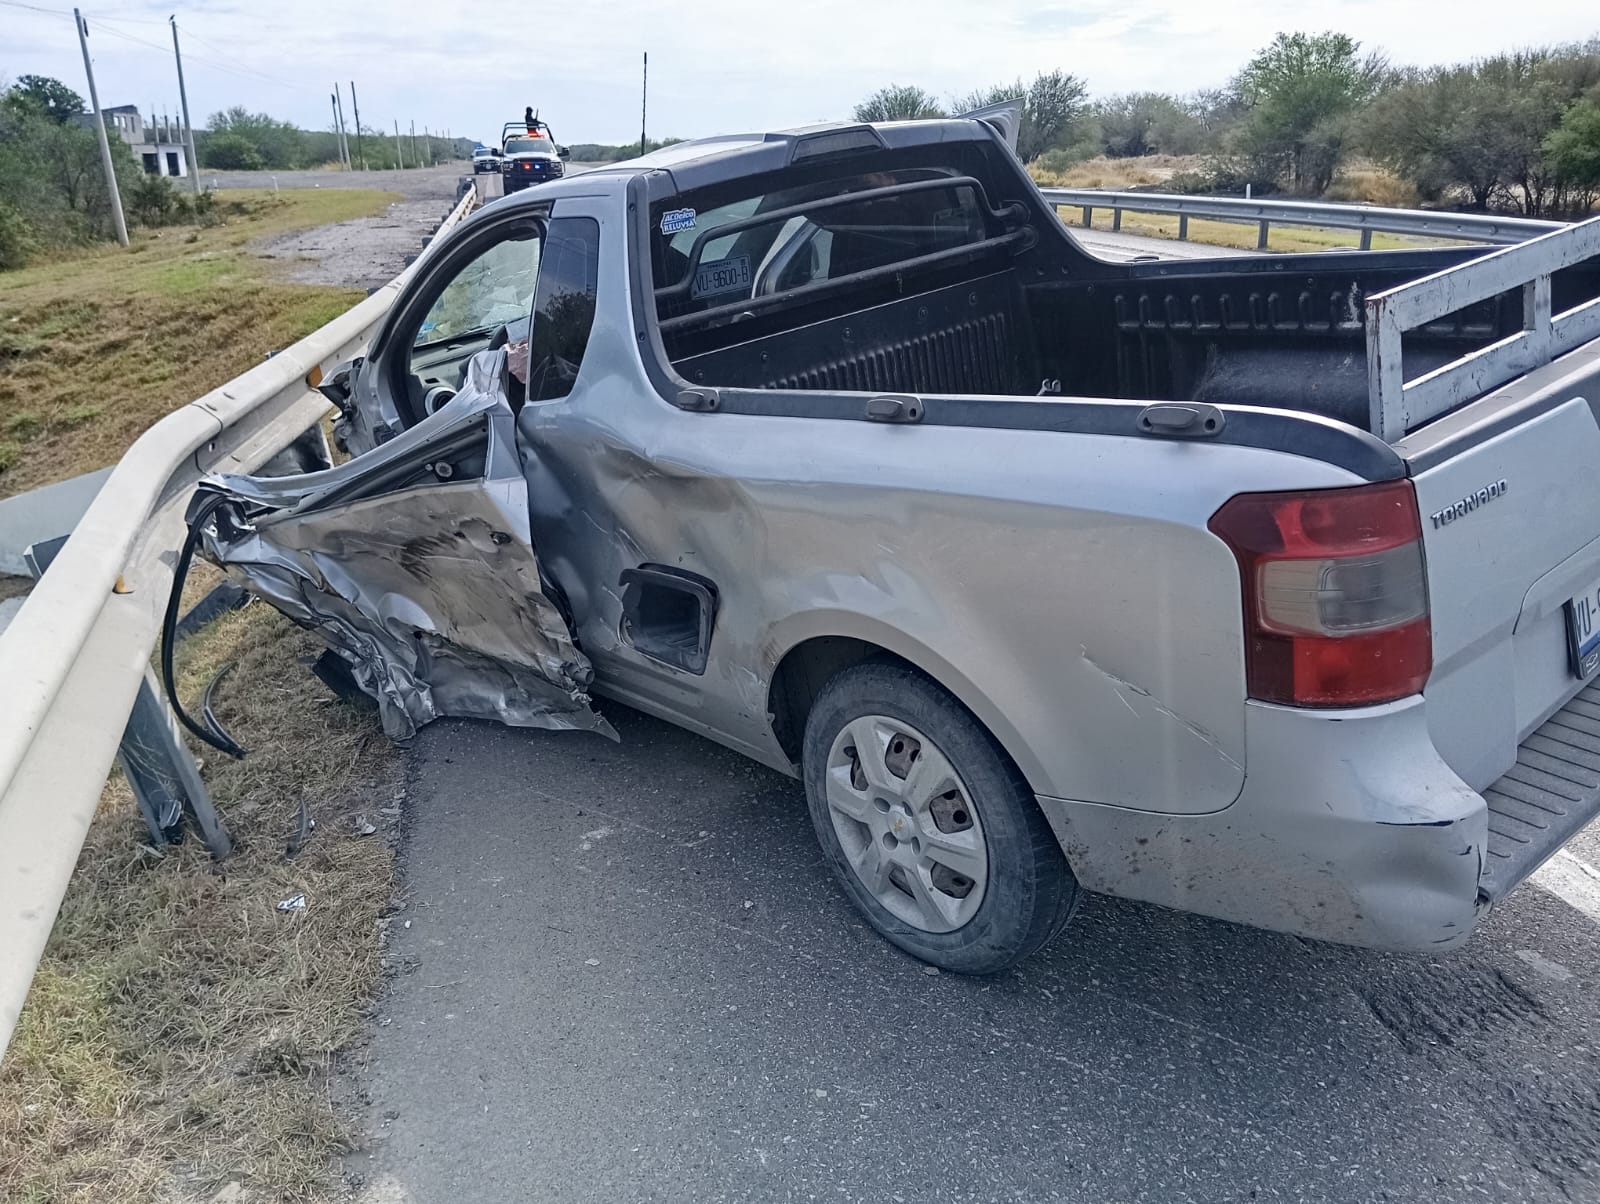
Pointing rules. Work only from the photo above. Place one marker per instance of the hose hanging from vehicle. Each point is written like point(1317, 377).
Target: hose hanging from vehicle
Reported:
point(211, 732)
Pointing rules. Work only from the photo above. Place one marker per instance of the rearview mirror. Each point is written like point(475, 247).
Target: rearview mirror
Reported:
point(564, 152)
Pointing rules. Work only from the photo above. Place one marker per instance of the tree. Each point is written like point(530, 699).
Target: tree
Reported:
point(1147, 123)
point(52, 187)
point(1054, 106)
point(1301, 93)
point(231, 152)
point(45, 96)
point(277, 144)
point(898, 102)
point(1488, 130)
point(1573, 147)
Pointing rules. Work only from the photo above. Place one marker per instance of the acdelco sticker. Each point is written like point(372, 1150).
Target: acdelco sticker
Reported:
point(674, 220)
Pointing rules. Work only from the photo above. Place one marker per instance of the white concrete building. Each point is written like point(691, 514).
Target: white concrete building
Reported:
point(160, 147)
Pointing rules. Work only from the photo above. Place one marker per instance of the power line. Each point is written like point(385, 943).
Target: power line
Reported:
point(36, 8)
point(242, 72)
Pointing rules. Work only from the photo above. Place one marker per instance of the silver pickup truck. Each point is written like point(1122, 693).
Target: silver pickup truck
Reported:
point(1170, 580)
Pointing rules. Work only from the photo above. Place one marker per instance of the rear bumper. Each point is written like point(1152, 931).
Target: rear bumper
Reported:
point(1349, 828)
point(1546, 797)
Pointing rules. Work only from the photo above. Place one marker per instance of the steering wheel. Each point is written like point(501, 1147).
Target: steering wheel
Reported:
point(516, 390)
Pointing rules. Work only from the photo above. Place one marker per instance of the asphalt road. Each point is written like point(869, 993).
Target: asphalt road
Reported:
point(627, 977)
point(439, 180)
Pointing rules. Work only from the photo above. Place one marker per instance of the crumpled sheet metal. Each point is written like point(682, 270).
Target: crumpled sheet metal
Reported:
point(432, 593)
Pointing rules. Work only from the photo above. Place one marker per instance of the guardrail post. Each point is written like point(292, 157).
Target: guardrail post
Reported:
point(1183, 227)
point(162, 772)
point(1261, 237)
point(1366, 239)
point(1088, 215)
point(1116, 219)
point(165, 779)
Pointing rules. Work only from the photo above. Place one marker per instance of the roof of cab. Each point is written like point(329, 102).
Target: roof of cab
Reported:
point(705, 161)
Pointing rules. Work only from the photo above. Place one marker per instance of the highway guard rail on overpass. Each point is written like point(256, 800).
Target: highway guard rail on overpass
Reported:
point(1264, 214)
point(74, 657)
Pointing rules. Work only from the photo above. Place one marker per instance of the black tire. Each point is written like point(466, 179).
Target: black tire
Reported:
point(1030, 893)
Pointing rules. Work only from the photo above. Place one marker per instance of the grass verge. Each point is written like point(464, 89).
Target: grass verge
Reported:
point(95, 348)
point(180, 1031)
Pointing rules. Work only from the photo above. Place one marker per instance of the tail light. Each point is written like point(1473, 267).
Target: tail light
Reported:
point(1335, 602)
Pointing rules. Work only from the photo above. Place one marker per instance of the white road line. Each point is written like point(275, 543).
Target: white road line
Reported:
point(1573, 881)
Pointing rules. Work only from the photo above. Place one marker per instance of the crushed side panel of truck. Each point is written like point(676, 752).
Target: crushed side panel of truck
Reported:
point(415, 563)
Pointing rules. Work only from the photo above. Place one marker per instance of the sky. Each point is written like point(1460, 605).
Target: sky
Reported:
point(716, 66)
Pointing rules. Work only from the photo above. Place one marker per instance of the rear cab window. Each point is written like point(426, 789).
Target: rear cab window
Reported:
point(759, 259)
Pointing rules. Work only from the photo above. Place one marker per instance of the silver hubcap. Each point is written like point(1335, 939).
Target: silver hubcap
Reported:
point(906, 823)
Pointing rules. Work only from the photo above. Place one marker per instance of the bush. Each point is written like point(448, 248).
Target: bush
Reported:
point(1372, 187)
point(232, 152)
point(16, 237)
point(1236, 173)
point(152, 201)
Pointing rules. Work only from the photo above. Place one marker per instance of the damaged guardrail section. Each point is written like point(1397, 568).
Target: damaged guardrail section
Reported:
point(74, 656)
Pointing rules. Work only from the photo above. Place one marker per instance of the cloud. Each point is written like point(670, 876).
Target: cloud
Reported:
point(715, 66)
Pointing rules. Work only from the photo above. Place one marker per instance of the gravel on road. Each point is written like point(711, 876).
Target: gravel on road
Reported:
point(367, 251)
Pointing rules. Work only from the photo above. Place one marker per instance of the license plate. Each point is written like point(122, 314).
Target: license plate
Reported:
point(722, 276)
point(1583, 631)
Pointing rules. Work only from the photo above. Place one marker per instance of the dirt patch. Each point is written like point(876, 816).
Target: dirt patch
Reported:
point(365, 252)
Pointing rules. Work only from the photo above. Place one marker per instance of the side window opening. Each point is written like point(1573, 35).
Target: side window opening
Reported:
point(563, 306)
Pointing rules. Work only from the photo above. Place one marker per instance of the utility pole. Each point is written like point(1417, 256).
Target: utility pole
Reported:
point(415, 158)
point(644, 99)
point(338, 134)
point(427, 144)
point(100, 127)
point(399, 154)
point(355, 107)
point(344, 130)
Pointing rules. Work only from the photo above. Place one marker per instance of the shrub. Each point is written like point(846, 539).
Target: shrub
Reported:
point(1374, 187)
point(152, 201)
point(16, 237)
point(232, 152)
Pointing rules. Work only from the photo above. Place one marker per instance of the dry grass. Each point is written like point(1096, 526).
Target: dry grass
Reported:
point(95, 348)
point(1374, 186)
point(1113, 174)
point(13, 587)
point(180, 1029)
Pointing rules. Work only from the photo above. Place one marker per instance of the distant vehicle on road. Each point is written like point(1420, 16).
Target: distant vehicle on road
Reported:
point(531, 154)
point(486, 159)
point(1046, 574)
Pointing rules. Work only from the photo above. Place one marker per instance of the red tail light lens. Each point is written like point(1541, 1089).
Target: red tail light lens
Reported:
point(1335, 600)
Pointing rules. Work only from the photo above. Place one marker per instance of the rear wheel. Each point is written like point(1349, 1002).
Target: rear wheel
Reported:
point(930, 828)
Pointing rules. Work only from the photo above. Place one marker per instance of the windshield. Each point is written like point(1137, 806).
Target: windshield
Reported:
point(483, 152)
point(522, 146)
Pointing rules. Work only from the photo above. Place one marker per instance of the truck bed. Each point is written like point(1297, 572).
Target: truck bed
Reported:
point(1024, 310)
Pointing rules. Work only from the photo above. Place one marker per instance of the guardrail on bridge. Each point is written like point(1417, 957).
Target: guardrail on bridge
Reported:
point(1264, 214)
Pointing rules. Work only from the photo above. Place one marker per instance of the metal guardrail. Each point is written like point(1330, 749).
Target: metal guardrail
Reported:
point(1399, 404)
point(74, 656)
point(1264, 214)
